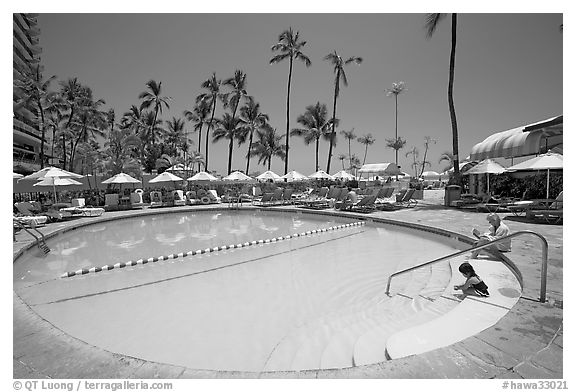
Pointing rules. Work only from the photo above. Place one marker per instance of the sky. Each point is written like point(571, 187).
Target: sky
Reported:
point(508, 73)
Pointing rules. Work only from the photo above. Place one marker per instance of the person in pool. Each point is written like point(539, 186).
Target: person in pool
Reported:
point(474, 285)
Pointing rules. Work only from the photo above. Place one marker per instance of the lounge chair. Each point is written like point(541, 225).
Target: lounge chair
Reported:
point(111, 202)
point(264, 200)
point(179, 199)
point(277, 198)
point(287, 196)
point(31, 221)
point(403, 200)
point(548, 210)
point(522, 207)
point(314, 196)
point(213, 195)
point(384, 194)
point(136, 198)
point(366, 204)
point(27, 209)
point(191, 198)
point(156, 199)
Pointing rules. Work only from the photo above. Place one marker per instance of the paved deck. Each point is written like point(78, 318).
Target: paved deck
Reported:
point(526, 343)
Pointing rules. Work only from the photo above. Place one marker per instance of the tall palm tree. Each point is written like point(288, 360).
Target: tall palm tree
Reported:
point(36, 93)
point(71, 94)
point(315, 124)
point(153, 98)
point(366, 140)
point(238, 85)
point(427, 141)
point(268, 145)
point(339, 64)
point(227, 128)
point(211, 97)
point(118, 151)
point(251, 120)
point(349, 135)
point(397, 89)
point(430, 25)
point(290, 47)
point(198, 117)
point(415, 153)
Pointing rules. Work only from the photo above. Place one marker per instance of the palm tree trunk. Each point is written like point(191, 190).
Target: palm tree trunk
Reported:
point(269, 162)
point(333, 122)
point(230, 148)
point(396, 150)
point(249, 149)
point(53, 141)
point(350, 152)
point(43, 134)
point(199, 143)
point(288, 116)
point(64, 150)
point(208, 134)
point(317, 148)
point(451, 99)
point(154, 125)
point(365, 153)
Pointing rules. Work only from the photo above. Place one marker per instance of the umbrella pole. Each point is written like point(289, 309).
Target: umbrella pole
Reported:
point(54, 190)
point(488, 183)
point(548, 183)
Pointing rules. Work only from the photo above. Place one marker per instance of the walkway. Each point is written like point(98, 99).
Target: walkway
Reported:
point(526, 343)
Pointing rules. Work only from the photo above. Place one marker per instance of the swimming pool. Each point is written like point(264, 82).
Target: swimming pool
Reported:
point(228, 310)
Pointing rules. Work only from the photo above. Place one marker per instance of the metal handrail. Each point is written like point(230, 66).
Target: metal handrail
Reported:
point(516, 234)
point(38, 240)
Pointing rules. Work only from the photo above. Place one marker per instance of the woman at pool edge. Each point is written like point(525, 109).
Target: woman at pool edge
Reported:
point(497, 230)
point(474, 285)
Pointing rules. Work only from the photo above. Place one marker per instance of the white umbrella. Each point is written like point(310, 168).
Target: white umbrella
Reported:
point(487, 166)
point(121, 178)
point(16, 175)
point(202, 176)
point(321, 174)
point(430, 175)
point(343, 175)
point(165, 177)
point(180, 167)
point(294, 176)
point(51, 172)
point(56, 181)
point(269, 175)
point(547, 161)
point(237, 176)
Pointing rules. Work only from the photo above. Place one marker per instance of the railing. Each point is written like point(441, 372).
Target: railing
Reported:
point(40, 241)
point(489, 244)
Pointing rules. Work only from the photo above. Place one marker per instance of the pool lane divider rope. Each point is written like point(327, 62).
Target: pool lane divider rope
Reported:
point(109, 267)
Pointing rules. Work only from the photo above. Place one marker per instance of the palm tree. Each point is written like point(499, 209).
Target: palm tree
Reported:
point(268, 145)
point(119, 146)
point(366, 140)
point(238, 85)
point(395, 144)
point(430, 25)
point(427, 141)
point(342, 158)
point(290, 48)
point(35, 95)
point(251, 120)
point(339, 64)
point(397, 89)
point(415, 153)
point(211, 98)
point(315, 126)
point(175, 136)
point(349, 135)
point(447, 156)
point(152, 98)
point(71, 93)
point(355, 164)
point(198, 116)
point(227, 128)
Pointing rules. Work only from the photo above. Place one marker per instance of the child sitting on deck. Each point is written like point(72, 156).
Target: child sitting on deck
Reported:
point(473, 285)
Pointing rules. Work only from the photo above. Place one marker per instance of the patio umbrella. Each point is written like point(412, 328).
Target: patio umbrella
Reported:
point(547, 161)
point(166, 177)
point(321, 174)
point(343, 175)
point(16, 175)
point(294, 176)
point(487, 166)
point(431, 175)
point(237, 176)
point(121, 178)
point(269, 175)
point(51, 172)
point(202, 176)
point(56, 181)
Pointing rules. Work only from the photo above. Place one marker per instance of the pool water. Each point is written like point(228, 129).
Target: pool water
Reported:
point(226, 310)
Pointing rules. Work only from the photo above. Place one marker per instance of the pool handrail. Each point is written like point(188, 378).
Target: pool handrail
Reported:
point(40, 241)
point(515, 234)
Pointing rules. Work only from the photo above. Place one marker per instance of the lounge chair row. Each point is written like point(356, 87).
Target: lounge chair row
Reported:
point(178, 198)
point(380, 199)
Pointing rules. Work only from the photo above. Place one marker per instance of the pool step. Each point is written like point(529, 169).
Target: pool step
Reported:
point(330, 341)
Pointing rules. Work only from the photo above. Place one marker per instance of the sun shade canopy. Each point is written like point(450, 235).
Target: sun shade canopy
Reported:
point(386, 168)
point(522, 141)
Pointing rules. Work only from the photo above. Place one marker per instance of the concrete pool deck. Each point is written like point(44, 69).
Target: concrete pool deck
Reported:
point(526, 343)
